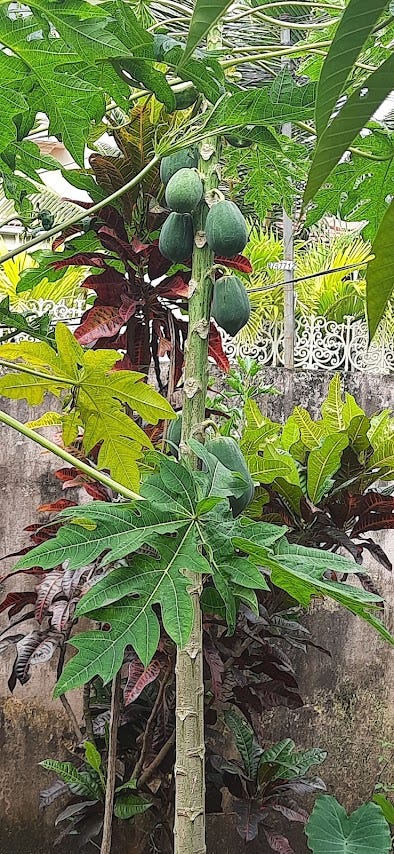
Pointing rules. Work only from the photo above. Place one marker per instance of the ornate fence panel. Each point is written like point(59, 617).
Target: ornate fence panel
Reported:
point(321, 344)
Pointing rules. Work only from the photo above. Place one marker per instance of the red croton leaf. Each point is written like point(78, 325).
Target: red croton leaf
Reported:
point(17, 601)
point(175, 286)
point(239, 262)
point(56, 506)
point(138, 678)
point(81, 259)
point(215, 349)
point(109, 286)
point(111, 240)
point(65, 473)
point(103, 321)
point(158, 265)
point(114, 220)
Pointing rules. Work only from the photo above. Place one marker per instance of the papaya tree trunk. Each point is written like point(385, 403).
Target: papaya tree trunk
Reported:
point(189, 829)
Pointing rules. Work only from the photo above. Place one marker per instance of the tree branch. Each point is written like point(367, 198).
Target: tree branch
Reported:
point(111, 765)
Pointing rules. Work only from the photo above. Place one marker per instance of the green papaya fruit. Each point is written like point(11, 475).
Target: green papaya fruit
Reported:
point(228, 452)
point(230, 304)
point(226, 229)
point(184, 191)
point(176, 237)
point(187, 158)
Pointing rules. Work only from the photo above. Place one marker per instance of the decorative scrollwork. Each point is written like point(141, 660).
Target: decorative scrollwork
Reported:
point(320, 344)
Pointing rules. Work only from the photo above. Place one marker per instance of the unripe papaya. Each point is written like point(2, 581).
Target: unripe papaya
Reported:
point(226, 229)
point(187, 158)
point(227, 451)
point(230, 304)
point(185, 98)
point(176, 237)
point(184, 191)
point(174, 433)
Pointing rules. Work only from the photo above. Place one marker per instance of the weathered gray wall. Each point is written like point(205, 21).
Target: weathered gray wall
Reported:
point(348, 698)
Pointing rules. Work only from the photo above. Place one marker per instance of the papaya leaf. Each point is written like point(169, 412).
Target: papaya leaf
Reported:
point(99, 400)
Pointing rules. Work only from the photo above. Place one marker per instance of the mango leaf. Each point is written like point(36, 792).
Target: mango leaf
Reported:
point(206, 14)
point(380, 272)
point(322, 464)
point(365, 831)
point(353, 117)
point(357, 22)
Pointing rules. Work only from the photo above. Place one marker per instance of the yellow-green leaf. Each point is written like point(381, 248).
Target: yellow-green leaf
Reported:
point(49, 419)
point(332, 408)
point(28, 387)
point(312, 432)
point(323, 462)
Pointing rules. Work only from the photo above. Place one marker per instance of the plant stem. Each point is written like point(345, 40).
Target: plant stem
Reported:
point(68, 458)
point(78, 217)
point(16, 366)
point(189, 829)
point(111, 765)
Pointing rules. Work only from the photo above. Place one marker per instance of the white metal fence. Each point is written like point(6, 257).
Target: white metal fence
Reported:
point(320, 344)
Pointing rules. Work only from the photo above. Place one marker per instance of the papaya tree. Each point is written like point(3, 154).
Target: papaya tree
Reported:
point(180, 542)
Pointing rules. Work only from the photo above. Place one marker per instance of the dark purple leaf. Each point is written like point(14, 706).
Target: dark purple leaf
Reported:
point(277, 842)
point(216, 667)
point(16, 601)
point(248, 817)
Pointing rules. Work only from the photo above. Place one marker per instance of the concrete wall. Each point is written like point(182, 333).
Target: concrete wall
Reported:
point(348, 697)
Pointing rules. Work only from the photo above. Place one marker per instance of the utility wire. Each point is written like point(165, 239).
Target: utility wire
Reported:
point(311, 276)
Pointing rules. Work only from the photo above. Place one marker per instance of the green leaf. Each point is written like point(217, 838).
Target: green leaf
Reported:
point(245, 741)
point(206, 14)
point(332, 407)
point(322, 463)
point(312, 432)
point(386, 806)
point(274, 463)
point(286, 763)
point(92, 756)
point(380, 272)
point(80, 782)
point(358, 20)
point(302, 578)
point(282, 101)
point(329, 829)
point(128, 805)
point(352, 118)
point(88, 36)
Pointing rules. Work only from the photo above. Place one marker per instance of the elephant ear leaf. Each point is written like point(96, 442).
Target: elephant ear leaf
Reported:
point(329, 829)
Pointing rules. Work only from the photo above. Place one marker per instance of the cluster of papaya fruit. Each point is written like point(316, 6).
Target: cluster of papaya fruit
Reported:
point(225, 231)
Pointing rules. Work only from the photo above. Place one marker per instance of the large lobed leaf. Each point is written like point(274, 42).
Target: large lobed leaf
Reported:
point(330, 829)
point(100, 397)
